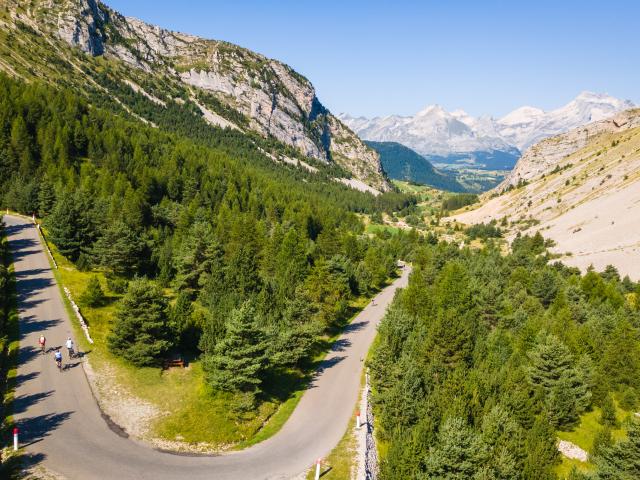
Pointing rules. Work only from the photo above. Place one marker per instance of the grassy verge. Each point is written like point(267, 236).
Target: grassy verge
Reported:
point(9, 347)
point(583, 436)
point(190, 411)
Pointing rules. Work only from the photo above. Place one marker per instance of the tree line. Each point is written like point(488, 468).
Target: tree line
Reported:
point(484, 356)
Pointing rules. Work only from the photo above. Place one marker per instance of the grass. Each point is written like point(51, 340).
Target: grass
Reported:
point(583, 436)
point(191, 411)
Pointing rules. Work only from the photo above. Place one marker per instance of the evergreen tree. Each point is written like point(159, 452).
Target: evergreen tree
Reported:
point(238, 360)
point(93, 295)
point(458, 454)
point(608, 414)
point(120, 249)
point(141, 331)
point(552, 370)
point(46, 198)
point(621, 461)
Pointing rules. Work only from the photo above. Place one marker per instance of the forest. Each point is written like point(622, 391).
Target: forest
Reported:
point(218, 252)
point(255, 256)
point(483, 358)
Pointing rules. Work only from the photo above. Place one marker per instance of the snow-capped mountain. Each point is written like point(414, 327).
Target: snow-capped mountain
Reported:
point(436, 132)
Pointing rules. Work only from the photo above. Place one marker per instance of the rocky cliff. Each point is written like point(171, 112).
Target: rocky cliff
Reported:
point(549, 154)
point(250, 92)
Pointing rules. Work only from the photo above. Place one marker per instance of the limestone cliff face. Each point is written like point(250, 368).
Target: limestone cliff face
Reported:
point(544, 156)
point(277, 101)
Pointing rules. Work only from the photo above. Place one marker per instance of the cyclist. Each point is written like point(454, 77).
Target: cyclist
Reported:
point(58, 357)
point(42, 341)
point(70, 347)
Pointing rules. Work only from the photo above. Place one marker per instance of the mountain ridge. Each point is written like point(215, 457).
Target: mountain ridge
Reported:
point(434, 131)
point(229, 86)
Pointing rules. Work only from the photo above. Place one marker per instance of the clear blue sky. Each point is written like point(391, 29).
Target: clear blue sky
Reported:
point(370, 57)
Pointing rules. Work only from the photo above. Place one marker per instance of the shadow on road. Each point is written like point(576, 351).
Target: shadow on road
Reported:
point(29, 325)
point(23, 402)
point(27, 354)
point(340, 345)
point(10, 229)
point(355, 326)
point(37, 428)
point(25, 377)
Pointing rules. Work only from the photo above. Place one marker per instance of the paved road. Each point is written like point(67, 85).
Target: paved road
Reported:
point(63, 428)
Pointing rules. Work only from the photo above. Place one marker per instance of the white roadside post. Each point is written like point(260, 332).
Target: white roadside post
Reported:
point(358, 419)
point(317, 477)
point(15, 438)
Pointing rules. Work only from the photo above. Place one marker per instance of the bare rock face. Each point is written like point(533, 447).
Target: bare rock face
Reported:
point(277, 101)
point(80, 25)
point(545, 155)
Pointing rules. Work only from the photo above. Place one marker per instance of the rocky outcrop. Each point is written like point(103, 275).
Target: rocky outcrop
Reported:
point(276, 101)
point(544, 156)
point(80, 24)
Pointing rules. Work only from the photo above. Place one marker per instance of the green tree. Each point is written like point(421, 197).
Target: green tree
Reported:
point(621, 461)
point(608, 414)
point(552, 370)
point(93, 296)
point(141, 331)
point(238, 360)
point(120, 249)
point(458, 454)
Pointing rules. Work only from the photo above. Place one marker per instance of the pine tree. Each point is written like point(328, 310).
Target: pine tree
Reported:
point(541, 451)
point(120, 249)
point(93, 295)
point(62, 227)
point(621, 461)
point(566, 393)
point(46, 198)
point(141, 332)
point(458, 454)
point(608, 414)
point(238, 360)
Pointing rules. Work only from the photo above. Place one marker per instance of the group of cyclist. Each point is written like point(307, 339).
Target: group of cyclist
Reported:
point(42, 341)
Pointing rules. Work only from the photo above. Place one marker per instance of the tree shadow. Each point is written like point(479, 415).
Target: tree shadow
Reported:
point(24, 377)
point(26, 354)
point(10, 229)
point(30, 324)
point(23, 402)
point(35, 429)
point(327, 364)
point(355, 326)
point(340, 345)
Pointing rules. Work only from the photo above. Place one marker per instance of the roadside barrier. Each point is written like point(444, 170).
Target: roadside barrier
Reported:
point(76, 309)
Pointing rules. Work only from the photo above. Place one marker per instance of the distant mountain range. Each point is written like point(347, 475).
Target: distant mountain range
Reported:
point(485, 142)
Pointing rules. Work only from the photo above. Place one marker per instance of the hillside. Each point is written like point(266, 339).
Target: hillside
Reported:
point(581, 189)
point(402, 163)
point(145, 71)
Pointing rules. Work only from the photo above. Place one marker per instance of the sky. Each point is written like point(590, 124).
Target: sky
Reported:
point(376, 58)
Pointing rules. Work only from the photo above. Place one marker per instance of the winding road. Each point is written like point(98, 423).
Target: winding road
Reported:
point(62, 427)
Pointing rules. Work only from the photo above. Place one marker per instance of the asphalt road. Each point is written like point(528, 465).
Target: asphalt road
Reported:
point(62, 427)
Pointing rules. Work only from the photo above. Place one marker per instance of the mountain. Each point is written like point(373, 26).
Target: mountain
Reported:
point(459, 138)
point(581, 189)
point(124, 61)
point(402, 163)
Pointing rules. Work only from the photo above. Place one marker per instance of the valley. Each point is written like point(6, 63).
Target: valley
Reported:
point(236, 283)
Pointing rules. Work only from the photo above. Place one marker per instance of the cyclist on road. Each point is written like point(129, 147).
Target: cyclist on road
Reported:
point(42, 341)
point(70, 347)
point(58, 357)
